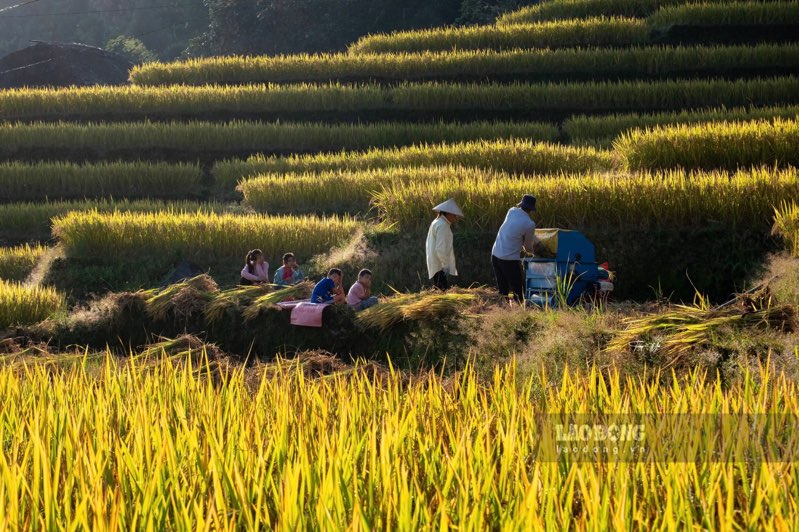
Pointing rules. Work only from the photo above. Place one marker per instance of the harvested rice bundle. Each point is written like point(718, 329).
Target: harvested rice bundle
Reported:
point(414, 307)
point(297, 291)
point(184, 299)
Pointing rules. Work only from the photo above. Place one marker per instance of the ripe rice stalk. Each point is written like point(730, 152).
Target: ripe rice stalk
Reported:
point(514, 156)
point(193, 140)
point(682, 199)
point(544, 64)
point(17, 262)
point(726, 13)
point(371, 101)
point(26, 305)
point(63, 180)
point(182, 300)
point(347, 191)
point(680, 329)
point(422, 450)
point(189, 352)
point(298, 291)
point(206, 238)
point(602, 130)
point(234, 298)
point(597, 31)
point(33, 221)
point(727, 145)
point(336, 192)
point(571, 9)
point(424, 306)
point(786, 225)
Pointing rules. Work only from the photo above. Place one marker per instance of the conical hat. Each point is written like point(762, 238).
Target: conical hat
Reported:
point(450, 207)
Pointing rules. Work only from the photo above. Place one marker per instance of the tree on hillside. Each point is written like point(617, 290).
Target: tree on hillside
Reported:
point(291, 26)
point(162, 26)
point(487, 11)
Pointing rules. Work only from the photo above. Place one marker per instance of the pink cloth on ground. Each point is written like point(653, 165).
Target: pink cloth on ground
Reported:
point(308, 314)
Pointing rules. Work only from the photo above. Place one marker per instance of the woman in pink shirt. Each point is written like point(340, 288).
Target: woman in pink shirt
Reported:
point(256, 269)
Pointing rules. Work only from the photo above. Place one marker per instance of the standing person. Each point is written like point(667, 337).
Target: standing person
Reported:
point(360, 295)
point(517, 234)
point(256, 269)
point(440, 251)
point(289, 274)
point(329, 289)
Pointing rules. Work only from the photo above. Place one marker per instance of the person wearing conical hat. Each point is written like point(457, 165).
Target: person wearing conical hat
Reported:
point(440, 250)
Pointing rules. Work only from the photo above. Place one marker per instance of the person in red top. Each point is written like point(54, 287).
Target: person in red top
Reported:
point(289, 274)
point(360, 295)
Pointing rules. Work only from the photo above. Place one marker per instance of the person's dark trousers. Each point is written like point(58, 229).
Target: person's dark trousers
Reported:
point(440, 281)
point(246, 282)
point(509, 277)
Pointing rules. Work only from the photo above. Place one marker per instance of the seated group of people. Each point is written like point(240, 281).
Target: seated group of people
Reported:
point(328, 290)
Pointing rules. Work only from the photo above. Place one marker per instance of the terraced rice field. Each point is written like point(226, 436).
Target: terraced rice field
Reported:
point(679, 162)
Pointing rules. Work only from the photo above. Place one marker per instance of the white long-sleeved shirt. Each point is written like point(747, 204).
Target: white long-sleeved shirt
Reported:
point(517, 233)
point(440, 251)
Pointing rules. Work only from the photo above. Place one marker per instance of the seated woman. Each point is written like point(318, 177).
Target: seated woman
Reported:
point(256, 269)
point(289, 274)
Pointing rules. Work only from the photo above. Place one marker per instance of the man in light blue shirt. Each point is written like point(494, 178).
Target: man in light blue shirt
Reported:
point(517, 234)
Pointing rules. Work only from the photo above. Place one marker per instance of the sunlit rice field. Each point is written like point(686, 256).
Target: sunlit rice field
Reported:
point(146, 139)
point(605, 199)
point(200, 235)
point(284, 101)
point(728, 145)
point(25, 305)
point(646, 62)
point(514, 156)
point(17, 262)
point(95, 442)
point(598, 31)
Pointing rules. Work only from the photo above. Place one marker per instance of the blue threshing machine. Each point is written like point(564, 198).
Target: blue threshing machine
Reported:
point(572, 270)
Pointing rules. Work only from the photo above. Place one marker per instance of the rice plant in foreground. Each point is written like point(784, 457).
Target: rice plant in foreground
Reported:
point(17, 262)
point(158, 444)
point(26, 305)
point(727, 145)
point(514, 155)
point(201, 236)
point(786, 224)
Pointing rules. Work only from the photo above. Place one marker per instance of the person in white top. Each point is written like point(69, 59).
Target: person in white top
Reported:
point(517, 234)
point(439, 247)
